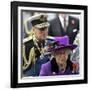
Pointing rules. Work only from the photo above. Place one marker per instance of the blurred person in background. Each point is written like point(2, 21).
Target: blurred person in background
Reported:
point(64, 24)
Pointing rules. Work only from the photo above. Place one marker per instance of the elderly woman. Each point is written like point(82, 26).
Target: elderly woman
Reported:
point(59, 64)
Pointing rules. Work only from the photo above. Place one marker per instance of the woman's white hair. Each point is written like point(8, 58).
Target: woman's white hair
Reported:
point(69, 52)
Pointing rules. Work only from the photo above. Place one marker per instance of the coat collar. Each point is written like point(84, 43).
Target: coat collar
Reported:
point(54, 66)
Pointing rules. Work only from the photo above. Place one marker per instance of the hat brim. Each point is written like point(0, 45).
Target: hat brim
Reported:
point(71, 47)
point(42, 25)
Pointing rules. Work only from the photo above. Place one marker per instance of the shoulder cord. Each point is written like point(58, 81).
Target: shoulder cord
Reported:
point(31, 57)
point(41, 50)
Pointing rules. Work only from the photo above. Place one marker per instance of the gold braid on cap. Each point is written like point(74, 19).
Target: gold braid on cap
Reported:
point(27, 63)
point(43, 18)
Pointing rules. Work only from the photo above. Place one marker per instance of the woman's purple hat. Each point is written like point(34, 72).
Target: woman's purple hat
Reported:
point(60, 43)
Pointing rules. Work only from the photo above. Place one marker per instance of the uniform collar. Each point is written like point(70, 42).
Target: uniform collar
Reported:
point(39, 43)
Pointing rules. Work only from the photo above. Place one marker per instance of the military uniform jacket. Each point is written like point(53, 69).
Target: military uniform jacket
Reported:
point(31, 58)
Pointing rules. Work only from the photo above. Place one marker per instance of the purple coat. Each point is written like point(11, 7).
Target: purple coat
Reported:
point(50, 68)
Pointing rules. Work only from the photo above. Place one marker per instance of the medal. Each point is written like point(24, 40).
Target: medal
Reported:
point(41, 56)
point(42, 53)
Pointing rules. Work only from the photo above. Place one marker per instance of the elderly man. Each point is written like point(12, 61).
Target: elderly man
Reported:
point(60, 63)
point(33, 48)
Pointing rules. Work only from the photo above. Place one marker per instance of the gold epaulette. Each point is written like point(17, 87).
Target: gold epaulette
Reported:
point(30, 38)
point(27, 39)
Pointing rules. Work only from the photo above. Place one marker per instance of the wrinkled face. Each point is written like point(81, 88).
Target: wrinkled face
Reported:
point(41, 34)
point(61, 55)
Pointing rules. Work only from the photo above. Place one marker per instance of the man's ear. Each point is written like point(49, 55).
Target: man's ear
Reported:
point(33, 28)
